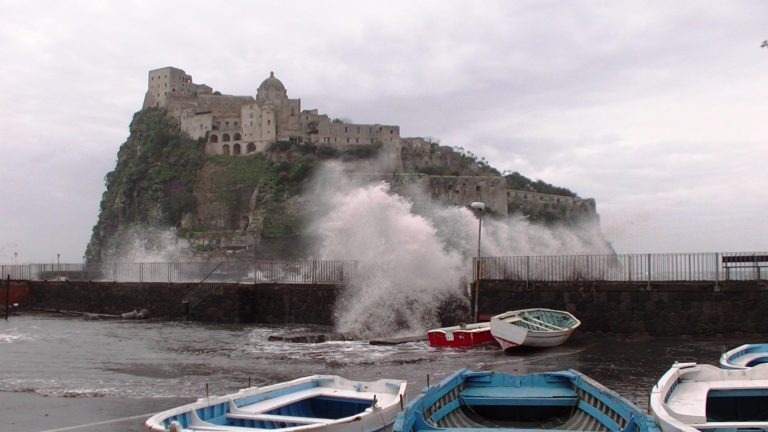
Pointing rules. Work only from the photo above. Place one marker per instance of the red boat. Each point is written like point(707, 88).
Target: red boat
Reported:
point(462, 335)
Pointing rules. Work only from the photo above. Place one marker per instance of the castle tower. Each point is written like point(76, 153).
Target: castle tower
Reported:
point(167, 82)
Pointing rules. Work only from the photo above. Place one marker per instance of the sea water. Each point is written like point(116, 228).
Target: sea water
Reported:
point(58, 356)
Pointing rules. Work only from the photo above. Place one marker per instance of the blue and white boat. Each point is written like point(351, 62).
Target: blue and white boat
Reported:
point(692, 397)
point(493, 401)
point(745, 356)
point(319, 403)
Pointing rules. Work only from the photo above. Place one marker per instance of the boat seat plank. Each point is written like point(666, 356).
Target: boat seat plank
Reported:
point(554, 327)
point(281, 418)
point(689, 401)
point(519, 392)
point(531, 323)
point(270, 404)
point(520, 396)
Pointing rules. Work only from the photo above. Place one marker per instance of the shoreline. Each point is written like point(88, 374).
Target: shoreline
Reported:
point(31, 412)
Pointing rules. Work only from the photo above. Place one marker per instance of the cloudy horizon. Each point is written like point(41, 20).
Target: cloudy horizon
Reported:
point(657, 110)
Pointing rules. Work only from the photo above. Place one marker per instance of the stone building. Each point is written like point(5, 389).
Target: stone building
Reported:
point(242, 125)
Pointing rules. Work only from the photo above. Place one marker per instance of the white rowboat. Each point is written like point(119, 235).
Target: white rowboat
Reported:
point(745, 356)
point(694, 397)
point(319, 403)
point(533, 327)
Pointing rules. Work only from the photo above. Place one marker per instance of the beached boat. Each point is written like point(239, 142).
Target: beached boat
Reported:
point(745, 356)
point(694, 397)
point(494, 401)
point(316, 403)
point(462, 335)
point(533, 327)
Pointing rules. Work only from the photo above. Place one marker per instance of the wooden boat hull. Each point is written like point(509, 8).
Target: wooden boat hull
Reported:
point(521, 328)
point(745, 356)
point(694, 397)
point(319, 403)
point(464, 336)
point(494, 401)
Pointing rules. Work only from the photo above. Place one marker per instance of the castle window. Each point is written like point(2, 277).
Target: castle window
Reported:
point(236, 149)
point(226, 124)
point(345, 129)
point(225, 137)
point(370, 130)
point(237, 137)
point(251, 148)
point(347, 140)
point(357, 140)
point(391, 131)
point(235, 124)
point(477, 188)
point(269, 122)
point(358, 129)
point(225, 149)
point(214, 138)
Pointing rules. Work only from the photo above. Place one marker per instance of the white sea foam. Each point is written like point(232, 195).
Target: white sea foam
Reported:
point(414, 254)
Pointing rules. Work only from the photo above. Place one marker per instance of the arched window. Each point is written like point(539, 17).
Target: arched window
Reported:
point(214, 138)
point(225, 149)
point(225, 137)
point(251, 147)
point(236, 137)
point(236, 149)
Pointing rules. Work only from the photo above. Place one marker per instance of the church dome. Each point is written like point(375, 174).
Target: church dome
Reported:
point(272, 83)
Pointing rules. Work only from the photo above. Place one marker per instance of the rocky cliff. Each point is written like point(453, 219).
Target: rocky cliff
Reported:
point(252, 204)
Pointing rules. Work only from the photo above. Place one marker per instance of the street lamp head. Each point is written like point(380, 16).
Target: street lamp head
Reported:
point(477, 205)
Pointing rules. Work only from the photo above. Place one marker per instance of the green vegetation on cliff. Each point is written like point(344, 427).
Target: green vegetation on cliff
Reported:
point(153, 181)
point(517, 181)
point(270, 185)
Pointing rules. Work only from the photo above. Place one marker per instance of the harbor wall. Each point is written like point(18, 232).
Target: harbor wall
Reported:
point(261, 303)
point(668, 308)
point(672, 308)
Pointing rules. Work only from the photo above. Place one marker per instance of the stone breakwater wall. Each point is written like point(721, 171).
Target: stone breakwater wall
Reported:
point(692, 308)
point(671, 308)
point(262, 303)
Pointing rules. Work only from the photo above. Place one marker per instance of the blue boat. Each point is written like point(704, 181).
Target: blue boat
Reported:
point(496, 402)
point(745, 356)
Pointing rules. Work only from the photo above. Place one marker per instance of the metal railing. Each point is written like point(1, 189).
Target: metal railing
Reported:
point(628, 268)
point(245, 272)
point(714, 266)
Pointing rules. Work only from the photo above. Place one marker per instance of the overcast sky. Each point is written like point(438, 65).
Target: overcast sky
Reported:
point(658, 110)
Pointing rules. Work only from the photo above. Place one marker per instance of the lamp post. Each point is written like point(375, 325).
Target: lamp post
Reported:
point(58, 266)
point(479, 209)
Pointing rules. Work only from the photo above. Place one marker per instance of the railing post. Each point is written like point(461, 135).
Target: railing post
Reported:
point(649, 272)
point(7, 296)
point(717, 271)
point(527, 270)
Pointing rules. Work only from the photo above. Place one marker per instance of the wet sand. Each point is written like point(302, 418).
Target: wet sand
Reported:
point(30, 412)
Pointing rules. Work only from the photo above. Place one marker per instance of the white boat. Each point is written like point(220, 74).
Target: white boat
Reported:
point(533, 327)
point(745, 356)
point(694, 397)
point(324, 403)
